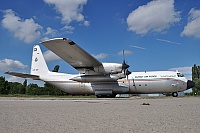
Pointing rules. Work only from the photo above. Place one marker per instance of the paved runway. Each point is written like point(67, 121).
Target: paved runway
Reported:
point(168, 115)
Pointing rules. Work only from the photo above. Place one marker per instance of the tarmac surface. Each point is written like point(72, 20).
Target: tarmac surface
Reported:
point(134, 115)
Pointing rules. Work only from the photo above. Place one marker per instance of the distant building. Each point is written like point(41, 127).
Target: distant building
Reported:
point(122, 95)
point(181, 94)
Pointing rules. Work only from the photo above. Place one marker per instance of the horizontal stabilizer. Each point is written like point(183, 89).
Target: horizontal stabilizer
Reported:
point(22, 75)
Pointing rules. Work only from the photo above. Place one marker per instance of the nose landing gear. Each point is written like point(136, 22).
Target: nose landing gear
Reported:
point(175, 94)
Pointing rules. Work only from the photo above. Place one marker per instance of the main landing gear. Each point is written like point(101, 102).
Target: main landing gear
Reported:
point(105, 96)
point(175, 94)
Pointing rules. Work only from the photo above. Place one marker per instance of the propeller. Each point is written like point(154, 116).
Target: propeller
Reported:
point(125, 67)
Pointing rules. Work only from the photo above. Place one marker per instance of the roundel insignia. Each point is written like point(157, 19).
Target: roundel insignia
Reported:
point(36, 59)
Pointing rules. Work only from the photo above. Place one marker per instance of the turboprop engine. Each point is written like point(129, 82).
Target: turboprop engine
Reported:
point(109, 72)
point(112, 68)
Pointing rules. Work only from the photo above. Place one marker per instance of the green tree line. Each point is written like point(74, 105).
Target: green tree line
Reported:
point(31, 89)
point(196, 78)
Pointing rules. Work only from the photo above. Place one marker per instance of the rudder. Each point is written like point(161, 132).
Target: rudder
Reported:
point(38, 64)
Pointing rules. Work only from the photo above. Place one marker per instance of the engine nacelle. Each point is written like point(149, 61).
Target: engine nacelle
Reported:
point(96, 78)
point(109, 68)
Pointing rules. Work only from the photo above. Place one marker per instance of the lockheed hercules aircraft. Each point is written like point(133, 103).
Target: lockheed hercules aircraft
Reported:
point(100, 79)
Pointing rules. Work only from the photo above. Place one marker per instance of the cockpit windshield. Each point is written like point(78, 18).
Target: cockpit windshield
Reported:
point(180, 75)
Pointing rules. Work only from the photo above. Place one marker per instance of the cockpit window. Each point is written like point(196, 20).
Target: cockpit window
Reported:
point(180, 75)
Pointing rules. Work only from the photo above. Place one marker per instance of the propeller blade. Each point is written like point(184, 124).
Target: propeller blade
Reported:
point(128, 72)
point(125, 67)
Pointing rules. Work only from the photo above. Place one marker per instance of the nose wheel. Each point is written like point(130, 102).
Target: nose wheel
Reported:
point(175, 94)
point(106, 96)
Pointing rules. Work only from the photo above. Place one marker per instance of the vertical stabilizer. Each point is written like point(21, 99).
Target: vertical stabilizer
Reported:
point(38, 65)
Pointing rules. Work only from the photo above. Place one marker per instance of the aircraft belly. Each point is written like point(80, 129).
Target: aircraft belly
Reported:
point(109, 88)
point(74, 87)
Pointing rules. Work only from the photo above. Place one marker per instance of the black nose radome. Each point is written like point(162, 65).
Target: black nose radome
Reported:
point(190, 84)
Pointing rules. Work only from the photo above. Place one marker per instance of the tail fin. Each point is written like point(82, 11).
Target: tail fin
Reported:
point(38, 65)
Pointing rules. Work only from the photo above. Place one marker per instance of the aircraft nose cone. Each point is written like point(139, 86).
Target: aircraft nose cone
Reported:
point(190, 84)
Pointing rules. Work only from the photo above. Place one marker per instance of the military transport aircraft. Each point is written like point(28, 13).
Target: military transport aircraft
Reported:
point(100, 79)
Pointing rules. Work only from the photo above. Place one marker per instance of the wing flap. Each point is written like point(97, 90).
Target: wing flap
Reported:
point(22, 75)
point(70, 52)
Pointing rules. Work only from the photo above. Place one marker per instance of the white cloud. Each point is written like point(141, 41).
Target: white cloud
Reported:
point(100, 56)
point(44, 39)
point(71, 10)
point(15, 79)
point(155, 16)
point(26, 30)
point(69, 29)
point(193, 26)
point(184, 70)
point(126, 52)
point(187, 71)
point(50, 56)
point(51, 31)
point(86, 23)
point(9, 64)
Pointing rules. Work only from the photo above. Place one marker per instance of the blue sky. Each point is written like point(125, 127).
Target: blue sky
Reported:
point(156, 35)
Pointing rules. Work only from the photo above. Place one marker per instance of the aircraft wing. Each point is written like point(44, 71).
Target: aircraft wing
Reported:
point(70, 52)
point(22, 75)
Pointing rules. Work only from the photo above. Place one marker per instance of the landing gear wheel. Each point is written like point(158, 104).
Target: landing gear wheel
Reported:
point(175, 94)
point(99, 96)
point(112, 96)
point(105, 96)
